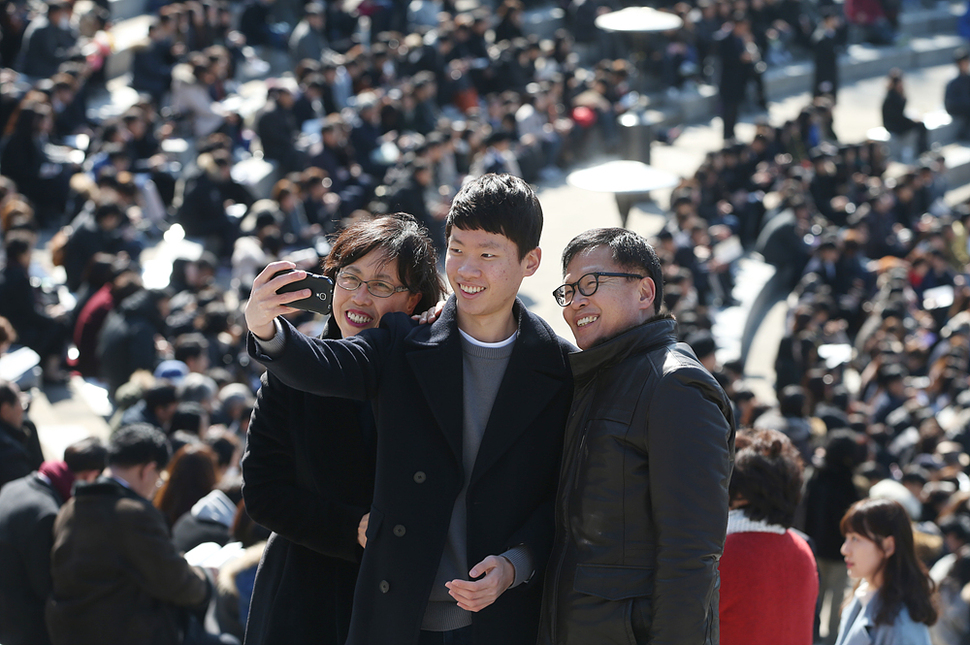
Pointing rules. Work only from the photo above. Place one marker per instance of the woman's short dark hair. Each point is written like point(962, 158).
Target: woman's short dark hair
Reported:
point(767, 475)
point(629, 250)
point(398, 237)
point(501, 204)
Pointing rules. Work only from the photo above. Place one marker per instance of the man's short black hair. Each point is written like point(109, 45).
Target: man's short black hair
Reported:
point(188, 417)
point(139, 444)
point(501, 204)
point(192, 345)
point(87, 454)
point(792, 401)
point(629, 250)
point(162, 393)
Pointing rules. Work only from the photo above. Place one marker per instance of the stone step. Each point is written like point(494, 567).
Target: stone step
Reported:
point(126, 34)
point(125, 9)
point(957, 157)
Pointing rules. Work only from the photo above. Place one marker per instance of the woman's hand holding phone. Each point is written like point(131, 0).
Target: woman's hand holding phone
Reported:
point(265, 304)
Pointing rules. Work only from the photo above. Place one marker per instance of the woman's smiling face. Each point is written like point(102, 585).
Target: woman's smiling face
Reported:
point(355, 311)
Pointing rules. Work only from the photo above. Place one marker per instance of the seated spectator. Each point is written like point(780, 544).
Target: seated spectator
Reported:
point(277, 128)
point(790, 419)
point(125, 280)
point(24, 159)
point(190, 418)
point(40, 326)
point(117, 577)
point(894, 117)
point(28, 507)
point(191, 476)
point(156, 407)
point(20, 451)
point(127, 340)
point(152, 61)
point(209, 520)
point(203, 211)
point(201, 389)
point(98, 233)
point(191, 98)
point(309, 37)
point(769, 580)
point(48, 41)
point(193, 350)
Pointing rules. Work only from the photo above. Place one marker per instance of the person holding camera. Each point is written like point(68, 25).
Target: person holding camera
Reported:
point(309, 463)
point(469, 414)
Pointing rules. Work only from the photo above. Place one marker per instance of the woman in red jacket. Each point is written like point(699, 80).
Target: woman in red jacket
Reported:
point(769, 580)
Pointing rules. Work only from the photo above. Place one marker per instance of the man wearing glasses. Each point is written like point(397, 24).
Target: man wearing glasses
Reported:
point(643, 493)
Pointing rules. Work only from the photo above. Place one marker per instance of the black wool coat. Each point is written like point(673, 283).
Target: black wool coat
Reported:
point(28, 507)
point(412, 375)
point(308, 475)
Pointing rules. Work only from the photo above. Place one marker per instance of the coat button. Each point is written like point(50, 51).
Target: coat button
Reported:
point(384, 586)
point(419, 477)
point(399, 530)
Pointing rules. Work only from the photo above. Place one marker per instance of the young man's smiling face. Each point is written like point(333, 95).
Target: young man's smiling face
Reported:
point(618, 304)
point(485, 272)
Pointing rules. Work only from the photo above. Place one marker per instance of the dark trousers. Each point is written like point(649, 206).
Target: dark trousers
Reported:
point(729, 116)
point(461, 636)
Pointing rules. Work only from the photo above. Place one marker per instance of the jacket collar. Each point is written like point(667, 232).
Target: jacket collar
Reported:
point(104, 486)
point(535, 373)
point(642, 338)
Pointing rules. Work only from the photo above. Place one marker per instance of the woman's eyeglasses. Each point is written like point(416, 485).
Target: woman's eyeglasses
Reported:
point(376, 288)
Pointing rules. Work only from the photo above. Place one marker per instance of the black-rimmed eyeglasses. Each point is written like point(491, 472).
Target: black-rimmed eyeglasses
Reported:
point(376, 288)
point(587, 285)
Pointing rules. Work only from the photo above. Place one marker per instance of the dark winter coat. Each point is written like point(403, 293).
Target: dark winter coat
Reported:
point(127, 340)
point(28, 507)
point(642, 508)
point(308, 476)
point(412, 377)
point(117, 577)
point(20, 451)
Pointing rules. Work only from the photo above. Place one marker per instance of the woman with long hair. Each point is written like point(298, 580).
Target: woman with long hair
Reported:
point(309, 465)
point(191, 475)
point(893, 597)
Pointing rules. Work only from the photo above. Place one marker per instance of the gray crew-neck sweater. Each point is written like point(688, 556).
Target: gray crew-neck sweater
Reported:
point(482, 371)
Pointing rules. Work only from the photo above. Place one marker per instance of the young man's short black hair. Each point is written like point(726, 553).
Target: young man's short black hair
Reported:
point(629, 250)
point(87, 454)
point(501, 204)
point(138, 444)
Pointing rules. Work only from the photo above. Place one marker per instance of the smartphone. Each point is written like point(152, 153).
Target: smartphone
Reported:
point(321, 296)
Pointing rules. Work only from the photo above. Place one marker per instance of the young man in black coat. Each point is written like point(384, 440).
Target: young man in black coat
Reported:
point(470, 413)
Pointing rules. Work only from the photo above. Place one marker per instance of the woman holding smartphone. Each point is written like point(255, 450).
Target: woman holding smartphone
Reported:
point(309, 462)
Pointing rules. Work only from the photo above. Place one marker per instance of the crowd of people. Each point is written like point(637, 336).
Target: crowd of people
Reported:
point(382, 108)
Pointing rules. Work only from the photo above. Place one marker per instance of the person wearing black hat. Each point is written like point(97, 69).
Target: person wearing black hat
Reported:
point(956, 99)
